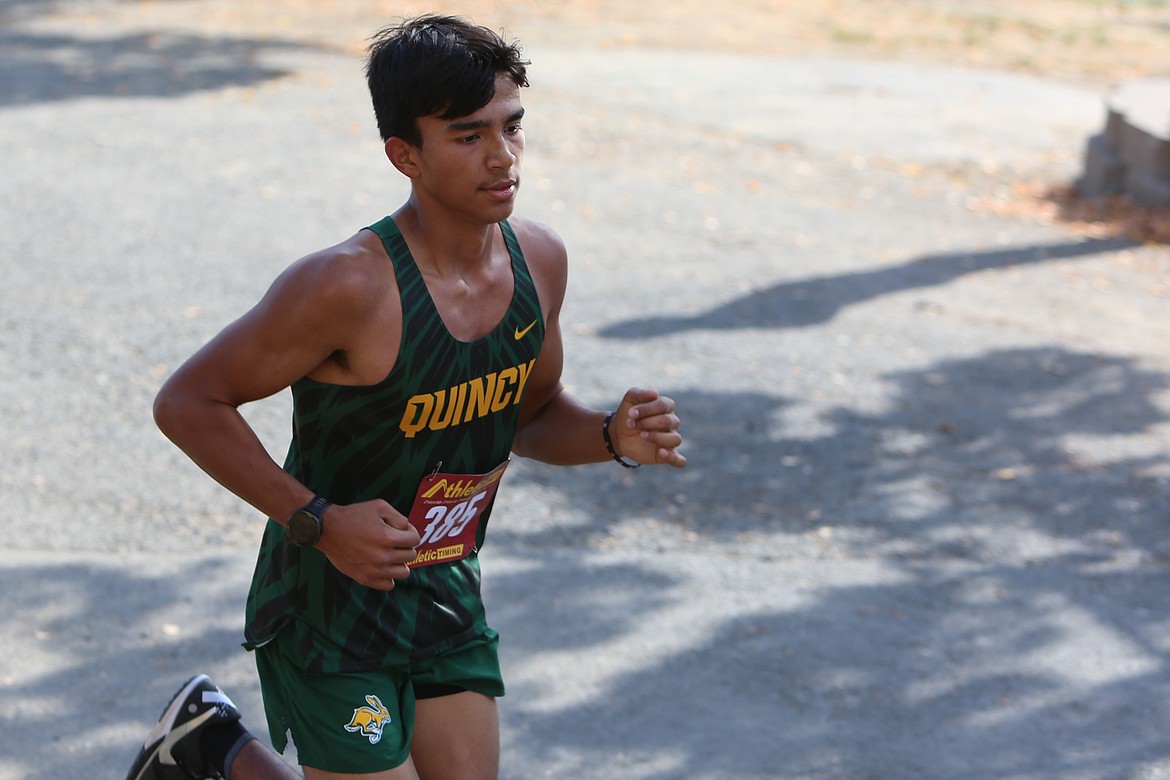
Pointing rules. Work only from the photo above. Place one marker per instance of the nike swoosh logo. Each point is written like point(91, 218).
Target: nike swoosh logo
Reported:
point(519, 334)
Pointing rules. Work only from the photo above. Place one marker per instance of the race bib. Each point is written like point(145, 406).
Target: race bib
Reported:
point(446, 512)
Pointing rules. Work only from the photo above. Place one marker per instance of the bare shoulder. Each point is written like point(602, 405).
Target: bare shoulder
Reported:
point(540, 243)
point(547, 259)
point(337, 312)
point(352, 276)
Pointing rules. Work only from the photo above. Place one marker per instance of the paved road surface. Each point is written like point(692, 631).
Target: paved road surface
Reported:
point(923, 530)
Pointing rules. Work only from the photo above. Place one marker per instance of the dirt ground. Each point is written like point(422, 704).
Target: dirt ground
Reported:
point(1089, 42)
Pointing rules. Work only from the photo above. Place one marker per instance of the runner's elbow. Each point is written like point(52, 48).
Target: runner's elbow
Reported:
point(173, 408)
point(166, 411)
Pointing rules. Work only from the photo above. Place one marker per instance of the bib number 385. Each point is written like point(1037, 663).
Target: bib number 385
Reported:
point(447, 511)
point(449, 523)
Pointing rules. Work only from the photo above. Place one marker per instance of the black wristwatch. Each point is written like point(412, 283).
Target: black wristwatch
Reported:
point(305, 525)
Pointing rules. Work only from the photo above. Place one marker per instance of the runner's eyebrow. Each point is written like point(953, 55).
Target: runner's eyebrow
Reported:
point(465, 125)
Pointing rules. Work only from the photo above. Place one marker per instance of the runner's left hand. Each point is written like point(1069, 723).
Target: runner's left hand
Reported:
point(645, 429)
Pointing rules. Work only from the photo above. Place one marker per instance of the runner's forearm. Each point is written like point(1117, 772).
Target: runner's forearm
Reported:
point(564, 433)
point(222, 443)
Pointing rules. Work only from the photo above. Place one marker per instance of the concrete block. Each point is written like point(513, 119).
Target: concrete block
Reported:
point(1145, 104)
point(1143, 151)
point(1104, 173)
point(1131, 155)
point(1115, 125)
point(1146, 188)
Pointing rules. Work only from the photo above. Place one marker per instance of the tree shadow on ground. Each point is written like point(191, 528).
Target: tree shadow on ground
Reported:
point(1010, 509)
point(43, 68)
point(1009, 624)
point(20, 10)
point(91, 647)
point(810, 302)
point(1017, 638)
point(1020, 435)
point(949, 674)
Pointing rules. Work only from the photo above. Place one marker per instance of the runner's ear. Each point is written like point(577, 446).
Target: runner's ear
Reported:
point(401, 155)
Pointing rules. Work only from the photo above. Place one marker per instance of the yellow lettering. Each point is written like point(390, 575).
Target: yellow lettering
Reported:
point(455, 551)
point(460, 392)
point(458, 489)
point(524, 369)
point(440, 486)
point(467, 401)
point(479, 397)
point(488, 480)
point(502, 399)
point(442, 416)
point(418, 412)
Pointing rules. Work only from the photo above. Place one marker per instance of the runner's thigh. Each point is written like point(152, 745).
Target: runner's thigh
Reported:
point(456, 737)
point(404, 772)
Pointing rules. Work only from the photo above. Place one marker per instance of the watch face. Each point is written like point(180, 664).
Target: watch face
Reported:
point(302, 529)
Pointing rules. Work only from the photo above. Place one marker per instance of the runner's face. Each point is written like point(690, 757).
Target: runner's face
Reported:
point(471, 164)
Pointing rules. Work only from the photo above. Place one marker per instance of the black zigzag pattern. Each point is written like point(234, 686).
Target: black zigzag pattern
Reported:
point(349, 445)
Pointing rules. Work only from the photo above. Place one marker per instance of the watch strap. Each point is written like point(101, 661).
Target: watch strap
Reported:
point(316, 507)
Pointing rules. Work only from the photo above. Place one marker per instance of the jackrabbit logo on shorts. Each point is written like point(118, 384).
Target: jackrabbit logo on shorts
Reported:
point(368, 721)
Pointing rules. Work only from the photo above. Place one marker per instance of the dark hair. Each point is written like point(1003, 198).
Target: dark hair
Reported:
point(436, 65)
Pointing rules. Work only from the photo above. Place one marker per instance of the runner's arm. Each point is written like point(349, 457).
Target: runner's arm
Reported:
point(557, 428)
point(302, 321)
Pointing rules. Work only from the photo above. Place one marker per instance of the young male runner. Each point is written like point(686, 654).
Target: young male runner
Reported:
point(421, 352)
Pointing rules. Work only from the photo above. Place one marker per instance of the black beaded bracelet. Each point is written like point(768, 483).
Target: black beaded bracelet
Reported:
point(609, 444)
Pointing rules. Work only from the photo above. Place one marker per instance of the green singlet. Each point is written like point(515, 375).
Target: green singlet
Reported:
point(447, 405)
